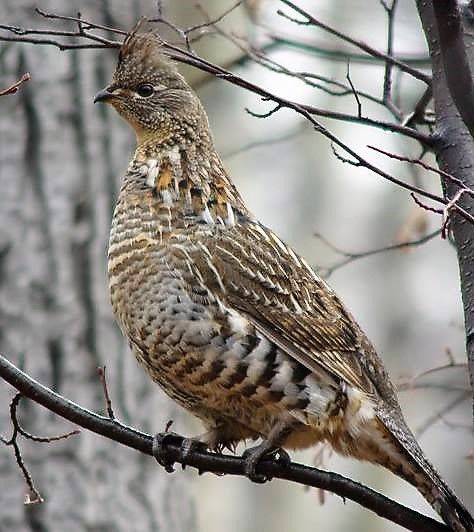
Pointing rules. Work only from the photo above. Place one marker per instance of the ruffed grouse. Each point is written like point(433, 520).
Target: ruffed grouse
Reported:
point(227, 318)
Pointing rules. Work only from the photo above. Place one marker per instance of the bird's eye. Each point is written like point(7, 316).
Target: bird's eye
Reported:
point(145, 90)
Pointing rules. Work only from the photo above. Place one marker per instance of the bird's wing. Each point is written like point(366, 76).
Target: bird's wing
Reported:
point(256, 274)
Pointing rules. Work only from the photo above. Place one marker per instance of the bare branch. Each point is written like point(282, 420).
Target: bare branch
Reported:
point(264, 115)
point(214, 462)
point(411, 382)
point(336, 54)
point(439, 414)
point(359, 161)
point(62, 46)
point(419, 162)
point(82, 31)
point(259, 56)
point(349, 257)
point(212, 22)
point(424, 206)
point(85, 23)
point(266, 142)
point(451, 203)
point(188, 57)
point(108, 402)
point(419, 113)
point(354, 92)
point(13, 89)
point(387, 82)
point(312, 21)
point(34, 497)
point(192, 59)
point(187, 34)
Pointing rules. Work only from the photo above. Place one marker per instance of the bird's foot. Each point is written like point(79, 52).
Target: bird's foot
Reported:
point(253, 456)
point(188, 447)
point(159, 449)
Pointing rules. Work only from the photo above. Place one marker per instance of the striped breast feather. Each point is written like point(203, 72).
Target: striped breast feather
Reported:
point(255, 273)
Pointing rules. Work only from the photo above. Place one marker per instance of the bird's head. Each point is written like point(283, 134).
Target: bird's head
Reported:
point(152, 96)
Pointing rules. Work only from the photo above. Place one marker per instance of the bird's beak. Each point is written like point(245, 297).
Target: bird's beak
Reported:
point(103, 95)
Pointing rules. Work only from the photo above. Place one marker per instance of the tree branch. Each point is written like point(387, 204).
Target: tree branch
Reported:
point(189, 57)
point(387, 81)
point(13, 89)
point(313, 21)
point(349, 257)
point(336, 54)
point(213, 462)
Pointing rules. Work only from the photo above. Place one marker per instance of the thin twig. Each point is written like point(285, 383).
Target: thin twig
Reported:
point(34, 496)
point(354, 92)
point(351, 257)
point(424, 206)
point(438, 415)
point(88, 24)
point(266, 142)
point(411, 382)
point(259, 56)
point(419, 113)
point(211, 22)
point(336, 54)
point(387, 81)
point(311, 20)
point(419, 162)
point(108, 402)
point(12, 89)
point(451, 203)
point(188, 57)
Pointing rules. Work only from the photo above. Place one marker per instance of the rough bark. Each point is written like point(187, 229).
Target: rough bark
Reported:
point(454, 150)
point(61, 160)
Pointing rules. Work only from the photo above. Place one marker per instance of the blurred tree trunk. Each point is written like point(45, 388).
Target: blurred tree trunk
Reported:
point(61, 160)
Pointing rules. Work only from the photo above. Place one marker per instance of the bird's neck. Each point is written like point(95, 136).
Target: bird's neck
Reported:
point(188, 176)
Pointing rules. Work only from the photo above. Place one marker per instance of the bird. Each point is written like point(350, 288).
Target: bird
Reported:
point(232, 323)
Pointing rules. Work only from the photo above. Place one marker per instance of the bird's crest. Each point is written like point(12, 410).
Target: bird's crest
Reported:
point(144, 48)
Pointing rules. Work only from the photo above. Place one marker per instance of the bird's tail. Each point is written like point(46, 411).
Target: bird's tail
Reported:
point(411, 464)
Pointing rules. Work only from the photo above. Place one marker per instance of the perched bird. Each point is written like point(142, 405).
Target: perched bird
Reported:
point(227, 318)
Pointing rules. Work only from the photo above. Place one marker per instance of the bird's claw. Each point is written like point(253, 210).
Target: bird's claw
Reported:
point(282, 457)
point(159, 450)
point(253, 456)
point(188, 447)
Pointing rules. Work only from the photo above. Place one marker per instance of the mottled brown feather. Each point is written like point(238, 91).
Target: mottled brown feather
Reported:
point(322, 335)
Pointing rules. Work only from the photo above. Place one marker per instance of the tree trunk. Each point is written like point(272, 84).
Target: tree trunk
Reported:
point(455, 154)
point(61, 160)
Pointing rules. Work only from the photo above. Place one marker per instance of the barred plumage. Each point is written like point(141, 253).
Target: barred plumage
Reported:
point(227, 318)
